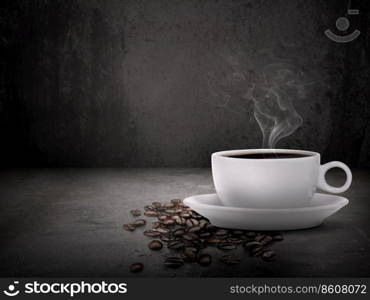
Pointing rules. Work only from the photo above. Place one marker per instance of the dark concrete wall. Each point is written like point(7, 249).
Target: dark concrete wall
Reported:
point(123, 83)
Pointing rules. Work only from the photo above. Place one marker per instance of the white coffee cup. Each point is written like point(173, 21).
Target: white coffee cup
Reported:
point(272, 182)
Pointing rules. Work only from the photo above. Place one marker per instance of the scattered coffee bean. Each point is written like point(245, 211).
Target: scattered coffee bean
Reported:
point(234, 240)
point(250, 234)
point(155, 245)
point(205, 260)
point(184, 230)
point(268, 255)
point(174, 262)
point(221, 232)
point(176, 201)
point(139, 222)
point(190, 236)
point(179, 232)
point(259, 238)
point(252, 244)
point(192, 222)
point(156, 225)
point(230, 259)
point(204, 235)
point(237, 233)
point(257, 251)
point(135, 212)
point(166, 238)
point(190, 254)
point(149, 207)
point(185, 215)
point(152, 233)
point(128, 227)
point(277, 237)
point(151, 213)
point(162, 217)
point(168, 222)
point(162, 230)
point(213, 240)
point(226, 247)
point(157, 204)
point(136, 267)
point(175, 245)
point(194, 229)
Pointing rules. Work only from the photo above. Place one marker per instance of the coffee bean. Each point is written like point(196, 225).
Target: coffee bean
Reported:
point(175, 245)
point(194, 229)
point(151, 213)
point(170, 211)
point(204, 235)
point(128, 227)
point(179, 220)
point(190, 254)
point(155, 245)
point(267, 239)
point(157, 204)
point(277, 237)
point(184, 215)
point(192, 222)
point(259, 238)
point(162, 217)
point(190, 236)
point(226, 247)
point(235, 240)
point(257, 251)
point(179, 232)
point(230, 259)
point(237, 233)
point(174, 262)
point(162, 230)
point(152, 233)
point(268, 255)
point(203, 224)
point(156, 225)
point(221, 233)
point(210, 227)
point(205, 260)
point(250, 234)
point(168, 222)
point(135, 212)
point(213, 240)
point(166, 238)
point(169, 205)
point(252, 244)
point(149, 207)
point(176, 201)
point(136, 267)
point(139, 222)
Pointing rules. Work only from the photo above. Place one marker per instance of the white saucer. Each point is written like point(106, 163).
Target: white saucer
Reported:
point(321, 207)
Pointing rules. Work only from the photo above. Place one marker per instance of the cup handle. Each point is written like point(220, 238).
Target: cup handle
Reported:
point(322, 184)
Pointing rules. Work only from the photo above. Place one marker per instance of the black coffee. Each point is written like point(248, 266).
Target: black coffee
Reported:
point(269, 155)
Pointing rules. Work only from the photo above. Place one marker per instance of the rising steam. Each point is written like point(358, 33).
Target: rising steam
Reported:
point(272, 92)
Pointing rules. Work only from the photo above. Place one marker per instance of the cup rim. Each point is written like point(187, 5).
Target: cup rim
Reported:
point(227, 153)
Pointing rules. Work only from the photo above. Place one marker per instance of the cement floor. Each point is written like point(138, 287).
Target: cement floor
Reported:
point(67, 222)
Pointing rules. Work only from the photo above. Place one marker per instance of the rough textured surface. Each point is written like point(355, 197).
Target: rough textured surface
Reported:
point(68, 223)
point(123, 83)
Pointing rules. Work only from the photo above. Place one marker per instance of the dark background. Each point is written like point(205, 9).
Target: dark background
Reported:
point(123, 83)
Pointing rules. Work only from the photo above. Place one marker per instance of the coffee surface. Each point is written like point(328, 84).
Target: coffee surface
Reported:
point(269, 155)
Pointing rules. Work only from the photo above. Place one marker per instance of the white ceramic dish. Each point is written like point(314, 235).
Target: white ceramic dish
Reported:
point(321, 207)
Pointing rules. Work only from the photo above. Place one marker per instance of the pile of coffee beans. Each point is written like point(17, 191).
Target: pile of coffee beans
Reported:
point(189, 234)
